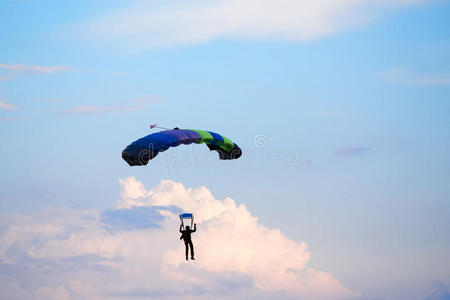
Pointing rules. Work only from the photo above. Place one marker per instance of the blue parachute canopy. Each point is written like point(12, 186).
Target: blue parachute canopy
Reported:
point(186, 216)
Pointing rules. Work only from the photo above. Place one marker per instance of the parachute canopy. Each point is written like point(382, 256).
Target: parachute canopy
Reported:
point(144, 149)
point(186, 216)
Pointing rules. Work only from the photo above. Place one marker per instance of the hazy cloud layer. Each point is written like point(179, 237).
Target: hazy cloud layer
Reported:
point(10, 71)
point(159, 23)
point(440, 292)
point(7, 106)
point(133, 251)
point(123, 106)
point(402, 76)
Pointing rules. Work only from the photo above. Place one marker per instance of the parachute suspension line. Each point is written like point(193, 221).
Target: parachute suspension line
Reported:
point(182, 223)
point(156, 126)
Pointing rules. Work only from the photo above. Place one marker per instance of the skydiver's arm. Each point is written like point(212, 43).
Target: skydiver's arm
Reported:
point(195, 227)
point(181, 226)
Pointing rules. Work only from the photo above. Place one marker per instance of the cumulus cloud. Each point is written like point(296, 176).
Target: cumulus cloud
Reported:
point(133, 251)
point(159, 23)
point(13, 70)
point(129, 105)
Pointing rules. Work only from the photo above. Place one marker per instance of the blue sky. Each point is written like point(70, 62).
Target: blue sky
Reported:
point(355, 100)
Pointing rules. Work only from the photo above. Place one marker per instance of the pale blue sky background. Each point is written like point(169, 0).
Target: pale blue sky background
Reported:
point(367, 107)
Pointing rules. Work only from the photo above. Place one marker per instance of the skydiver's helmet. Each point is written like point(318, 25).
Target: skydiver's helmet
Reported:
point(187, 227)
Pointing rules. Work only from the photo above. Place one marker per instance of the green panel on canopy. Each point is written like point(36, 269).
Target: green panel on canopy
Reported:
point(227, 145)
point(205, 135)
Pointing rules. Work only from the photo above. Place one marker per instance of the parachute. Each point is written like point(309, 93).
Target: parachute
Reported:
point(141, 151)
point(187, 216)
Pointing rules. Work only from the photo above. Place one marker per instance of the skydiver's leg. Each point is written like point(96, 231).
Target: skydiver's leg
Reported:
point(192, 249)
point(186, 246)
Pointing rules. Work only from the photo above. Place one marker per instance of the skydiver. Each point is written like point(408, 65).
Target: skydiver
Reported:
point(186, 236)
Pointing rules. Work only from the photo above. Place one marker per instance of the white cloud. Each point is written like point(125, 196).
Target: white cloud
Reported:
point(8, 106)
point(402, 76)
point(13, 70)
point(123, 106)
point(159, 23)
point(66, 253)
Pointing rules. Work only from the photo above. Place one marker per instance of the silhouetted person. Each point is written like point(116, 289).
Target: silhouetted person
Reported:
point(186, 236)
